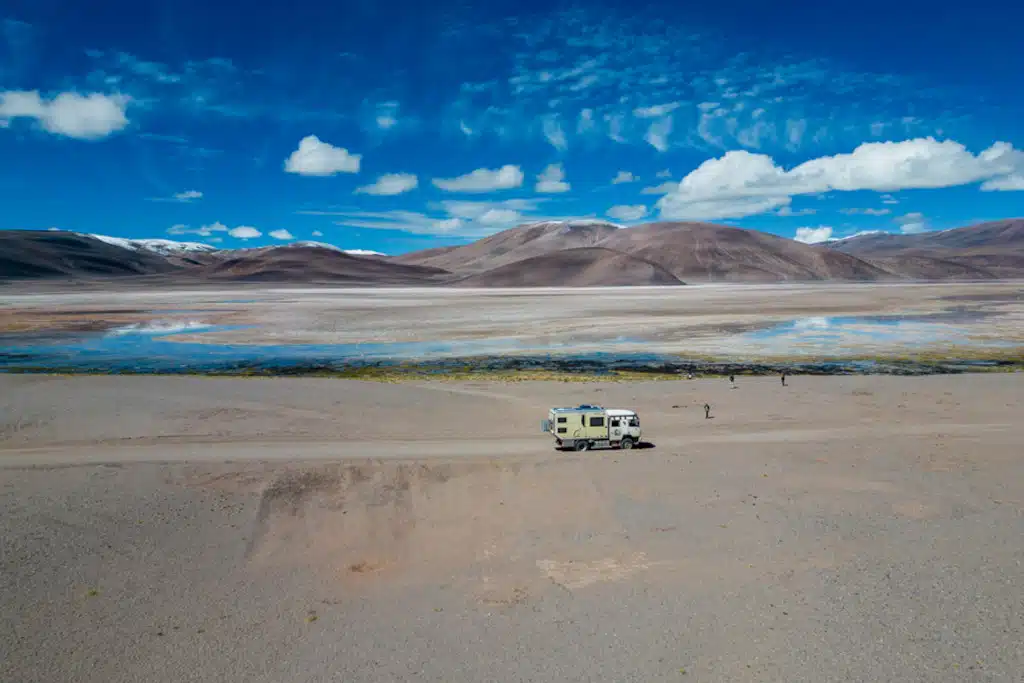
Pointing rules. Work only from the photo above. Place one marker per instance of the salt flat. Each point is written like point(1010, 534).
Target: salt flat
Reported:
point(838, 529)
point(722, 320)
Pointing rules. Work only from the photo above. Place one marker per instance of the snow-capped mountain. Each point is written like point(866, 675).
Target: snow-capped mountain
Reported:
point(156, 246)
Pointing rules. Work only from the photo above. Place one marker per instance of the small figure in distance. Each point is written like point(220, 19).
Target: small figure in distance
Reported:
point(783, 379)
point(732, 381)
point(707, 412)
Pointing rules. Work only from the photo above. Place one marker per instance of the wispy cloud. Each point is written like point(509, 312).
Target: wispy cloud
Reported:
point(866, 212)
point(623, 177)
point(554, 133)
point(912, 223)
point(186, 197)
point(789, 211)
point(658, 132)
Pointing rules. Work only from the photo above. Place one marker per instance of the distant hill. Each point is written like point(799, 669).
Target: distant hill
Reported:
point(32, 254)
point(583, 267)
point(315, 264)
point(709, 252)
point(514, 244)
point(984, 251)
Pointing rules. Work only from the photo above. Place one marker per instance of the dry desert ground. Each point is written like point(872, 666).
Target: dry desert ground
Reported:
point(268, 530)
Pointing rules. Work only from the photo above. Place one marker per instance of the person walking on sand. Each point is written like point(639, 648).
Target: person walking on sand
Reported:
point(783, 379)
point(732, 381)
point(707, 412)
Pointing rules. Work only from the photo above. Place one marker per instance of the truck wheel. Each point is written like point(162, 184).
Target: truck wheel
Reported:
point(627, 443)
point(582, 445)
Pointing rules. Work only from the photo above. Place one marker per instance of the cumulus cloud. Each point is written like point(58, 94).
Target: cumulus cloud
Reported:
point(317, 233)
point(658, 132)
point(390, 184)
point(740, 183)
point(277, 234)
point(483, 180)
point(1010, 183)
point(552, 180)
point(84, 117)
point(813, 235)
point(623, 177)
point(627, 213)
point(317, 158)
point(244, 232)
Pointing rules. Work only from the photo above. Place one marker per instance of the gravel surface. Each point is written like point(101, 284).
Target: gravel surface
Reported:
point(186, 529)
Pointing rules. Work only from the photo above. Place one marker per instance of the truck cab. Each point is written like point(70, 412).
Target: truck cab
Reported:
point(588, 426)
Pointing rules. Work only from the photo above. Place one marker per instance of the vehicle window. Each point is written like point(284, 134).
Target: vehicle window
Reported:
point(615, 423)
point(597, 422)
point(561, 420)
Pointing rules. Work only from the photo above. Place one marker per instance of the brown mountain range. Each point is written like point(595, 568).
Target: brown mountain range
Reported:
point(554, 253)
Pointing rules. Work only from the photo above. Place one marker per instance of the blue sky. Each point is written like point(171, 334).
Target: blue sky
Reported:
point(405, 125)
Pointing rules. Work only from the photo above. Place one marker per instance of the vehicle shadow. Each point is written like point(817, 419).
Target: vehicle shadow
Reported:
point(645, 445)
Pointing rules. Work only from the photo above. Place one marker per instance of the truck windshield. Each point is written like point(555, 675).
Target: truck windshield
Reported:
point(634, 422)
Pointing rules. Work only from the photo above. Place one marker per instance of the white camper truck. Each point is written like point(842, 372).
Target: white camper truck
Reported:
point(586, 426)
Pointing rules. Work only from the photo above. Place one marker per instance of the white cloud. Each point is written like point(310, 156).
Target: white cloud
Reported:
point(658, 132)
point(244, 232)
point(889, 199)
point(317, 158)
point(554, 134)
point(664, 173)
point(912, 223)
point(623, 177)
point(615, 127)
point(202, 231)
point(552, 180)
point(317, 233)
point(466, 130)
point(84, 117)
point(787, 211)
point(813, 235)
point(655, 111)
point(866, 212)
point(1010, 183)
point(390, 184)
point(740, 183)
point(586, 123)
point(188, 195)
point(666, 187)
point(276, 234)
point(627, 213)
point(469, 219)
point(387, 115)
point(483, 180)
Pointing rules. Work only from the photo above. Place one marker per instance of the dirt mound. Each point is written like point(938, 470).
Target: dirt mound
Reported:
point(516, 244)
point(587, 267)
point(31, 254)
point(708, 252)
point(313, 264)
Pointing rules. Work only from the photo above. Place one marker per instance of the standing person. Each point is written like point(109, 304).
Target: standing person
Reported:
point(707, 412)
point(732, 381)
point(783, 379)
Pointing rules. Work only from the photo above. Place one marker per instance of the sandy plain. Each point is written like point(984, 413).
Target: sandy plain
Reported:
point(196, 529)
